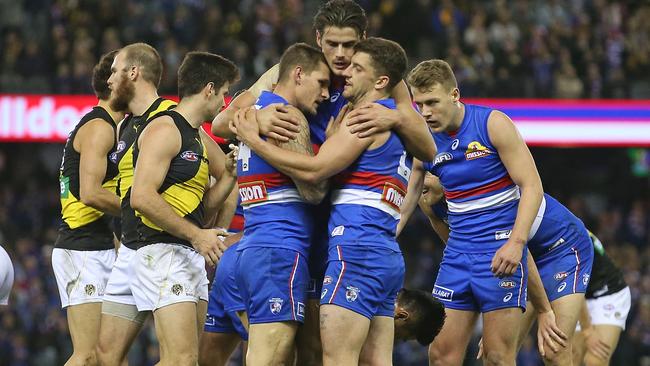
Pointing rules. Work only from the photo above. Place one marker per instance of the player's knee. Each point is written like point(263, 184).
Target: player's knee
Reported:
point(185, 358)
point(497, 358)
point(442, 356)
point(84, 358)
point(592, 360)
point(562, 357)
point(106, 356)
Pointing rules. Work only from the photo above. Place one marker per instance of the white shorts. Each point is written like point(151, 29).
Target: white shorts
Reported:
point(167, 274)
point(81, 275)
point(6, 277)
point(118, 288)
point(610, 309)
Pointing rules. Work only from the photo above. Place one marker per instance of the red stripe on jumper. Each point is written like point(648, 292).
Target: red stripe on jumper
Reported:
point(271, 180)
point(369, 179)
point(490, 187)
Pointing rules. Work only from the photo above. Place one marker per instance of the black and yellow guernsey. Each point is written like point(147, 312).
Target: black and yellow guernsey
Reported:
point(84, 227)
point(129, 132)
point(183, 186)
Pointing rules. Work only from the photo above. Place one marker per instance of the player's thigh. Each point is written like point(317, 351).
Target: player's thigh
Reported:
point(578, 348)
point(567, 310)
point(527, 322)
point(176, 328)
point(201, 312)
point(501, 330)
point(83, 322)
point(216, 348)
point(448, 348)
point(336, 321)
point(308, 343)
point(378, 348)
point(117, 333)
point(271, 341)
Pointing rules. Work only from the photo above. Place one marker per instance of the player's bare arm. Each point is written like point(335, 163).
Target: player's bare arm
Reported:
point(432, 193)
point(521, 167)
point(94, 141)
point(150, 171)
point(337, 153)
point(275, 121)
point(413, 193)
point(405, 120)
point(227, 210)
point(302, 144)
point(222, 168)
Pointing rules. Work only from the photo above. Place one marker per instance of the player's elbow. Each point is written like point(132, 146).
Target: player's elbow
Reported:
point(88, 197)
point(138, 199)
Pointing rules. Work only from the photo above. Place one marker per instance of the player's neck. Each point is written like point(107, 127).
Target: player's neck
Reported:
point(192, 110)
point(369, 97)
point(457, 120)
point(143, 99)
point(115, 115)
point(287, 92)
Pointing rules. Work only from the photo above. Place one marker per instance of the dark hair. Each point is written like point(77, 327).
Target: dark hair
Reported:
point(388, 58)
point(147, 58)
point(201, 68)
point(101, 73)
point(428, 73)
point(428, 313)
point(342, 14)
point(299, 54)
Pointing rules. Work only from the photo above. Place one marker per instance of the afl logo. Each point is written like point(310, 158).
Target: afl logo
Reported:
point(189, 156)
point(507, 284)
point(442, 157)
point(454, 144)
point(560, 276)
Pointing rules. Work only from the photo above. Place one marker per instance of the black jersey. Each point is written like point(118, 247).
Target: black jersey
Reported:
point(606, 278)
point(183, 186)
point(129, 132)
point(83, 227)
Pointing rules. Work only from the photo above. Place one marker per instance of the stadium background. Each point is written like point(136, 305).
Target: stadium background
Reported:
point(577, 49)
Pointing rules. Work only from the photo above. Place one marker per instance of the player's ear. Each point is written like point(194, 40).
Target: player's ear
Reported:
point(382, 82)
point(455, 95)
point(209, 89)
point(401, 314)
point(298, 74)
point(319, 38)
point(134, 72)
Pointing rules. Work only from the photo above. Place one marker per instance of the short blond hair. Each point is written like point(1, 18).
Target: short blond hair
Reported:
point(147, 58)
point(428, 73)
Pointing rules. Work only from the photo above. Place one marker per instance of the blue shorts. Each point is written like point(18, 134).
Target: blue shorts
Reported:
point(273, 284)
point(225, 301)
point(465, 282)
point(363, 279)
point(317, 267)
point(565, 270)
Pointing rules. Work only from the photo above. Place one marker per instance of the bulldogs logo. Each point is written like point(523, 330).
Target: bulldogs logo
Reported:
point(475, 150)
point(351, 293)
point(90, 290)
point(177, 289)
point(275, 304)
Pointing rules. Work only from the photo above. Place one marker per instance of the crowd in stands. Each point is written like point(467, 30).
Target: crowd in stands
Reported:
point(500, 48)
point(517, 48)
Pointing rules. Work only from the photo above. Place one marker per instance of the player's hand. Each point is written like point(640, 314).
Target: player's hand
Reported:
point(595, 345)
point(276, 122)
point(507, 259)
point(335, 123)
point(372, 118)
point(209, 244)
point(231, 161)
point(549, 333)
point(245, 125)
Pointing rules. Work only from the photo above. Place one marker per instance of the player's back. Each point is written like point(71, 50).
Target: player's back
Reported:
point(273, 208)
point(367, 195)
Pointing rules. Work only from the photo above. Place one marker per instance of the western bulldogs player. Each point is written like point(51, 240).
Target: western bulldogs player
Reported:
point(272, 273)
point(365, 268)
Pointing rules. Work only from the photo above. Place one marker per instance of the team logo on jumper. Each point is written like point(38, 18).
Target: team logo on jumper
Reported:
point(443, 293)
point(562, 287)
point(177, 289)
point(502, 234)
point(300, 310)
point(190, 156)
point(275, 304)
point(351, 293)
point(327, 280)
point(507, 284)
point(585, 279)
point(560, 276)
point(393, 195)
point(252, 192)
point(442, 157)
point(90, 290)
point(475, 150)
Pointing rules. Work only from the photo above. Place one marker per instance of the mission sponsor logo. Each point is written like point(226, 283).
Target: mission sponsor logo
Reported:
point(252, 192)
point(393, 195)
point(475, 150)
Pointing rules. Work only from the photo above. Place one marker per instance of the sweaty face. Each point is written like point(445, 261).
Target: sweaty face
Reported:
point(122, 88)
point(313, 89)
point(437, 105)
point(360, 77)
point(337, 45)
